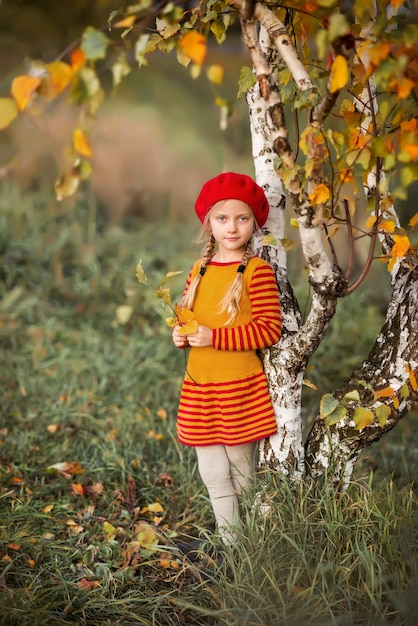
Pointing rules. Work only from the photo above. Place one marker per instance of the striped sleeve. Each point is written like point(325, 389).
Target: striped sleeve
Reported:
point(265, 328)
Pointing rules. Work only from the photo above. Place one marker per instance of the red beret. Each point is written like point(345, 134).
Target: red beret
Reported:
point(233, 186)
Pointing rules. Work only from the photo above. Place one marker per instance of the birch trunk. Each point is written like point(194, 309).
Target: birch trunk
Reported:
point(384, 387)
point(386, 378)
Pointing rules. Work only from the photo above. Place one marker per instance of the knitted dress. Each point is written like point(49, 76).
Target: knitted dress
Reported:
point(225, 397)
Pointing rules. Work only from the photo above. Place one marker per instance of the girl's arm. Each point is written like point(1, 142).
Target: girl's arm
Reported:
point(265, 328)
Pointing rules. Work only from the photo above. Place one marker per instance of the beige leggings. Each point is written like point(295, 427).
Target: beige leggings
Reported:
point(225, 471)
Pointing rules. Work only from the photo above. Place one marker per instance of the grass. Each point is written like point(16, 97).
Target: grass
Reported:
point(94, 487)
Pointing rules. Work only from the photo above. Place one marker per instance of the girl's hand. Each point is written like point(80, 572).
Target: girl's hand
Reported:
point(180, 341)
point(201, 338)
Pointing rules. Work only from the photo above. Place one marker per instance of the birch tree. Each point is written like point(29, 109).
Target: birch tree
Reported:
point(347, 72)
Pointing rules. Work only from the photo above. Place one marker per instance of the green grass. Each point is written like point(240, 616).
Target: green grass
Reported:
point(79, 387)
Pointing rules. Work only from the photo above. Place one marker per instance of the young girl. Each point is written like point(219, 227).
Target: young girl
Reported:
point(225, 406)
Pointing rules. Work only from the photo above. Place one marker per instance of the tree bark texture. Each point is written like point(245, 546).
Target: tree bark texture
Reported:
point(387, 377)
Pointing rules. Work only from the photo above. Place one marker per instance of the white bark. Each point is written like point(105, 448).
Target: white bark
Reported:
point(284, 451)
point(285, 364)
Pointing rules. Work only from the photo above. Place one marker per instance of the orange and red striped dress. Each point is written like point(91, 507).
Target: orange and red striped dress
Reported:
point(225, 397)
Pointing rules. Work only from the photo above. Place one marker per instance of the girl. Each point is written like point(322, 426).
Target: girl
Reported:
point(225, 406)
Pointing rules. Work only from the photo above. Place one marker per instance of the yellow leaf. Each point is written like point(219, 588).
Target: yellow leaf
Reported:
point(309, 384)
point(194, 45)
point(400, 246)
point(188, 325)
point(404, 86)
point(215, 74)
point(188, 329)
point(164, 294)
point(362, 417)
point(155, 507)
point(81, 144)
point(269, 240)
point(339, 74)
point(60, 75)
point(67, 469)
point(8, 111)
point(378, 53)
point(67, 185)
point(110, 530)
point(371, 221)
point(48, 508)
point(165, 28)
point(166, 563)
point(23, 87)
point(320, 194)
point(127, 22)
point(171, 321)
point(140, 274)
point(388, 226)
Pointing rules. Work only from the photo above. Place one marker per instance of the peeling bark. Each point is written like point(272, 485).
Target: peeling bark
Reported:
point(392, 366)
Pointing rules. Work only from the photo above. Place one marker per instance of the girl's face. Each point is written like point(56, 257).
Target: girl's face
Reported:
point(232, 224)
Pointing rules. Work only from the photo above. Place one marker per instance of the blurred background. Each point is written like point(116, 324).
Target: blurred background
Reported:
point(157, 139)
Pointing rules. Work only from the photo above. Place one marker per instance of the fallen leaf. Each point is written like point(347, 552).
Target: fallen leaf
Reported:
point(77, 489)
point(67, 469)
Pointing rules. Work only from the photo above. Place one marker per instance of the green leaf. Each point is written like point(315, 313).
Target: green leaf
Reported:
point(269, 240)
point(288, 244)
point(120, 69)
point(218, 29)
point(110, 530)
point(164, 294)
point(382, 413)
point(94, 44)
point(352, 395)
point(336, 416)
point(306, 99)
point(142, 48)
point(362, 417)
point(337, 26)
point(327, 405)
point(247, 79)
point(140, 274)
point(168, 276)
point(404, 391)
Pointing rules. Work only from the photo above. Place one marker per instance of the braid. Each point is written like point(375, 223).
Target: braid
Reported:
point(188, 298)
point(231, 301)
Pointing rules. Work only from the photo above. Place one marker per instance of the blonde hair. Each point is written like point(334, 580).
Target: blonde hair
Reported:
point(230, 303)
